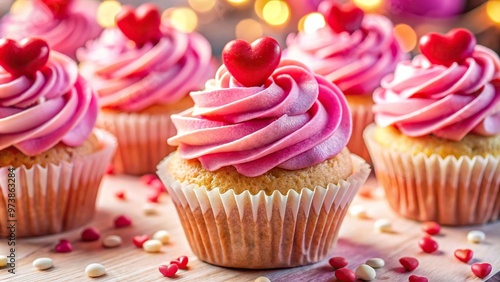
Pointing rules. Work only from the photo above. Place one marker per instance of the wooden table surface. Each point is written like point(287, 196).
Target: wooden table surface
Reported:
point(357, 242)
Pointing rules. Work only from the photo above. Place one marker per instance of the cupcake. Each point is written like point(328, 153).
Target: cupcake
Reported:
point(65, 24)
point(262, 177)
point(436, 142)
point(51, 158)
point(355, 51)
point(142, 71)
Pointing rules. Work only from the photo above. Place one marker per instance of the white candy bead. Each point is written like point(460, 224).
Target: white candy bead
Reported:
point(365, 272)
point(150, 209)
point(152, 246)
point(476, 236)
point(3, 261)
point(262, 279)
point(383, 225)
point(375, 262)
point(112, 241)
point(163, 236)
point(43, 263)
point(95, 270)
point(358, 211)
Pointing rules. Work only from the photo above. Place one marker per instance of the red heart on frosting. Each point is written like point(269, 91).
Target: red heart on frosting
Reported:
point(140, 25)
point(251, 64)
point(25, 58)
point(58, 8)
point(347, 17)
point(445, 49)
point(464, 255)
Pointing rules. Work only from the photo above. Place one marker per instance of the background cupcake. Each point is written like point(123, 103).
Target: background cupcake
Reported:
point(142, 71)
point(436, 146)
point(65, 24)
point(262, 177)
point(51, 159)
point(355, 51)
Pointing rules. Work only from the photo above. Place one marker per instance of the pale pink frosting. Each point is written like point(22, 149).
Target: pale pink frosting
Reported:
point(55, 106)
point(64, 35)
point(297, 119)
point(131, 79)
point(449, 102)
point(354, 62)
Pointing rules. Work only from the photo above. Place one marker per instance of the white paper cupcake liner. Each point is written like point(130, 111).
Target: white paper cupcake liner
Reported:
point(362, 116)
point(57, 197)
point(450, 191)
point(263, 231)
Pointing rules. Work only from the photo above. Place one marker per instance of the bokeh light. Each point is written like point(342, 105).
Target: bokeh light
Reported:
point(406, 37)
point(493, 10)
point(106, 13)
point(276, 12)
point(259, 7)
point(202, 6)
point(182, 18)
point(249, 30)
point(237, 2)
point(369, 4)
point(311, 22)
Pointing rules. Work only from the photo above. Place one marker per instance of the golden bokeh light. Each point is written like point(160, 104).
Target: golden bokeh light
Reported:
point(202, 6)
point(493, 10)
point(182, 18)
point(311, 22)
point(276, 12)
point(249, 30)
point(19, 6)
point(106, 13)
point(406, 37)
point(369, 4)
point(259, 7)
point(237, 2)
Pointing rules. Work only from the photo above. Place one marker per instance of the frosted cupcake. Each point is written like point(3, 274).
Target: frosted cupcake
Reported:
point(436, 143)
point(51, 159)
point(262, 177)
point(142, 71)
point(354, 51)
point(65, 24)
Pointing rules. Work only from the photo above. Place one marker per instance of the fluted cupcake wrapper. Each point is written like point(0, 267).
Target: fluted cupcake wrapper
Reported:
point(142, 139)
point(263, 231)
point(362, 116)
point(54, 198)
point(450, 191)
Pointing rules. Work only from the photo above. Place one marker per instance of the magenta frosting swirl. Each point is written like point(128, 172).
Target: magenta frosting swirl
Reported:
point(354, 62)
point(130, 79)
point(296, 120)
point(64, 35)
point(55, 106)
point(449, 102)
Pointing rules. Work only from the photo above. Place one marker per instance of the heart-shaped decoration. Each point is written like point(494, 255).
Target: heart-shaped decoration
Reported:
point(464, 255)
point(168, 270)
point(122, 221)
point(25, 58)
point(409, 263)
point(416, 278)
point(345, 275)
point(141, 25)
point(90, 234)
point(139, 240)
point(64, 246)
point(251, 64)
point(58, 8)
point(481, 270)
point(182, 262)
point(340, 18)
point(455, 46)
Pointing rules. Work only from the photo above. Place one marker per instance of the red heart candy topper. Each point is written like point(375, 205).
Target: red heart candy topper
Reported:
point(58, 8)
point(446, 49)
point(340, 18)
point(23, 58)
point(141, 25)
point(252, 64)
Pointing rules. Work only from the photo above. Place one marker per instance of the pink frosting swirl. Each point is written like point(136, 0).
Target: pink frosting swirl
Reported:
point(421, 98)
point(355, 62)
point(64, 35)
point(297, 119)
point(55, 106)
point(131, 79)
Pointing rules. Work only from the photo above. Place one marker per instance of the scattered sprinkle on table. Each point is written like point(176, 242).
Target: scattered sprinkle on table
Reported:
point(481, 269)
point(345, 275)
point(168, 270)
point(148, 178)
point(112, 241)
point(90, 234)
point(95, 270)
point(152, 246)
point(163, 236)
point(43, 263)
point(181, 262)
point(431, 227)
point(428, 245)
point(122, 221)
point(358, 211)
point(383, 225)
point(150, 209)
point(64, 246)
point(416, 278)
point(120, 195)
point(375, 262)
point(365, 272)
point(476, 236)
point(464, 255)
point(338, 262)
point(262, 279)
point(409, 263)
point(139, 240)
point(3, 261)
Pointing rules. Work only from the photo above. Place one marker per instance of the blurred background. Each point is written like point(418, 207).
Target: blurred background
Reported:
point(223, 20)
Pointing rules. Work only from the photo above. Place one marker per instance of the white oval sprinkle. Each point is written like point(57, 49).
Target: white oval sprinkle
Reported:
point(163, 236)
point(365, 272)
point(3, 261)
point(150, 209)
point(375, 262)
point(95, 270)
point(152, 246)
point(262, 279)
point(383, 225)
point(112, 241)
point(358, 211)
point(476, 236)
point(43, 263)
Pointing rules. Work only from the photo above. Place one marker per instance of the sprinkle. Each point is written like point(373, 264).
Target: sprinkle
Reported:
point(365, 272)
point(112, 241)
point(416, 278)
point(163, 236)
point(122, 221)
point(154, 197)
point(150, 209)
point(95, 270)
point(139, 240)
point(345, 275)
point(262, 279)
point(428, 245)
point(375, 262)
point(383, 225)
point(148, 178)
point(481, 270)
point(64, 246)
point(157, 185)
point(152, 246)
point(337, 262)
point(181, 261)
point(43, 263)
point(476, 236)
point(3, 261)
point(358, 211)
point(168, 270)
point(90, 234)
point(409, 263)
point(464, 255)
point(110, 170)
point(120, 195)
point(431, 227)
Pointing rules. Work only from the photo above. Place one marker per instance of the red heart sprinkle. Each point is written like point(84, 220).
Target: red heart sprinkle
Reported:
point(139, 240)
point(168, 270)
point(25, 58)
point(338, 262)
point(147, 179)
point(58, 8)
point(182, 262)
point(431, 227)
point(455, 46)
point(110, 169)
point(121, 195)
point(141, 25)
point(416, 278)
point(340, 18)
point(64, 246)
point(345, 275)
point(481, 270)
point(464, 255)
point(428, 245)
point(252, 64)
point(154, 197)
point(409, 263)
point(122, 221)
point(90, 234)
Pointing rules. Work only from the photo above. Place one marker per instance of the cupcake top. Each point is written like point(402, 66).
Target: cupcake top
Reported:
point(43, 100)
point(144, 61)
point(282, 114)
point(354, 50)
point(450, 90)
point(65, 24)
